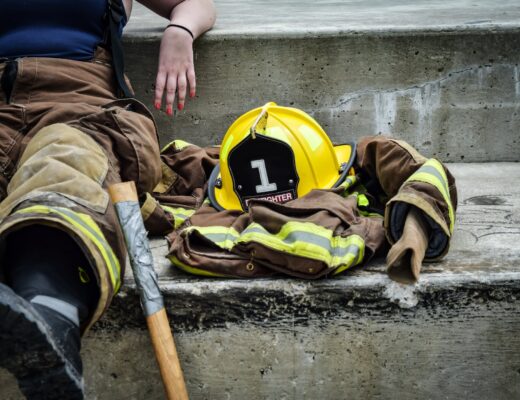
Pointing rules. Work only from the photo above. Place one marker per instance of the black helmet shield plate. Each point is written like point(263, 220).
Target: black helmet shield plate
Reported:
point(263, 168)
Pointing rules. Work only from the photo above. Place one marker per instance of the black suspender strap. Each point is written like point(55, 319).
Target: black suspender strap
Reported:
point(8, 78)
point(116, 12)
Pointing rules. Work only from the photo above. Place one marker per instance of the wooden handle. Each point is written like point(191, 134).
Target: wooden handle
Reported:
point(124, 191)
point(166, 355)
point(160, 332)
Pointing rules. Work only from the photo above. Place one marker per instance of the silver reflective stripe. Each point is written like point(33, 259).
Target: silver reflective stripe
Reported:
point(433, 171)
point(66, 309)
point(300, 236)
point(218, 237)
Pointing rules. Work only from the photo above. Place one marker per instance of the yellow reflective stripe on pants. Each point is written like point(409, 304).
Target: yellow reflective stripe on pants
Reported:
point(433, 173)
point(90, 229)
point(179, 214)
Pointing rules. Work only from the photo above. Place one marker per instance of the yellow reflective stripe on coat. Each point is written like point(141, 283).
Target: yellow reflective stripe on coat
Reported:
point(195, 271)
point(433, 173)
point(298, 238)
point(348, 183)
point(223, 237)
point(179, 214)
point(362, 200)
point(309, 240)
point(89, 228)
point(179, 145)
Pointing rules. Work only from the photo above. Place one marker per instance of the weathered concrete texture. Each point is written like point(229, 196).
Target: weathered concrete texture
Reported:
point(472, 352)
point(453, 95)
point(293, 18)
point(453, 335)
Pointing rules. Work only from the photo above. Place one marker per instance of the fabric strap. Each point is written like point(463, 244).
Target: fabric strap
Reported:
point(115, 15)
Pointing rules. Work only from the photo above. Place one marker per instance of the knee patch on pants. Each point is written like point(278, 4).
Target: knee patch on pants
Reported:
point(60, 159)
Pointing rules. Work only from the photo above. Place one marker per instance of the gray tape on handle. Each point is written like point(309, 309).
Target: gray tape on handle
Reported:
point(140, 255)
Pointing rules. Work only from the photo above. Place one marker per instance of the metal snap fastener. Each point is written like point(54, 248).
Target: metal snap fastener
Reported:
point(250, 266)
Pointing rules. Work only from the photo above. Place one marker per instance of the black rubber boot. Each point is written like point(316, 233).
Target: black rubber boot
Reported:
point(41, 311)
point(41, 348)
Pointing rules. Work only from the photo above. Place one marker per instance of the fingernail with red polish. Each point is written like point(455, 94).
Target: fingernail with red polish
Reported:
point(192, 94)
point(157, 105)
point(169, 110)
point(180, 106)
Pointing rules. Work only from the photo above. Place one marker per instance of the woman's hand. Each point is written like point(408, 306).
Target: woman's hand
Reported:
point(176, 70)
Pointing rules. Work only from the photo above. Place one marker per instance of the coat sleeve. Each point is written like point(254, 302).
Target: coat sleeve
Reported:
point(185, 168)
point(407, 179)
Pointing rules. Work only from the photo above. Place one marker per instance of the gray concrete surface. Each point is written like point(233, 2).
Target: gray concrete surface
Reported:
point(295, 18)
point(444, 76)
point(453, 335)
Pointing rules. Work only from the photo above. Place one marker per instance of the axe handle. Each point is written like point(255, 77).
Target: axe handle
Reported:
point(158, 325)
point(166, 355)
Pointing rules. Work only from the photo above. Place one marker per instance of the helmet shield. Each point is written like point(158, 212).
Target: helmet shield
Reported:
point(263, 168)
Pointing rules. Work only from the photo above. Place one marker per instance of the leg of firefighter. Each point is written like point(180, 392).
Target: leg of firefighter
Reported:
point(54, 280)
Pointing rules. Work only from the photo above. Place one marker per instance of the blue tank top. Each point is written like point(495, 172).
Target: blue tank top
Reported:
point(52, 28)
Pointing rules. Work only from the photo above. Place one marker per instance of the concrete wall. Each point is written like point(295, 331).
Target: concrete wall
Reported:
point(454, 344)
point(470, 351)
point(454, 95)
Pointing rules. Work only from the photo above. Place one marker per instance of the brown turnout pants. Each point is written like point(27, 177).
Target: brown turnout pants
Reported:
point(64, 138)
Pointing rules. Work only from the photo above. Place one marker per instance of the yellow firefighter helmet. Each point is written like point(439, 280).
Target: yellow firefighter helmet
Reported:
point(276, 153)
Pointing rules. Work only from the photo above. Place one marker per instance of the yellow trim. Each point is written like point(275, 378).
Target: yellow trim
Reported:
point(362, 200)
point(428, 178)
point(168, 178)
point(148, 207)
point(348, 183)
point(179, 214)
point(346, 265)
point(106, 251)
point(205, 231)
point(307, 249)
point(297, 247)
point(83, 276)
point(179, 145)
point(195, 271)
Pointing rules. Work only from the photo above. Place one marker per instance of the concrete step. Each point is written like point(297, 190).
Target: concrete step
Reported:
point(442, 75)
point(453, 335)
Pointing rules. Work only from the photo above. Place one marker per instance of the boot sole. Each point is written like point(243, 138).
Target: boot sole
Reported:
point(28, 351)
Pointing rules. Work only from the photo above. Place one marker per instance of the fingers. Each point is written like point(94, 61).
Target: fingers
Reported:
point(172, 84)
point(159, 89)
point(171, 87)
point(181, 81)
point(192, 81)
